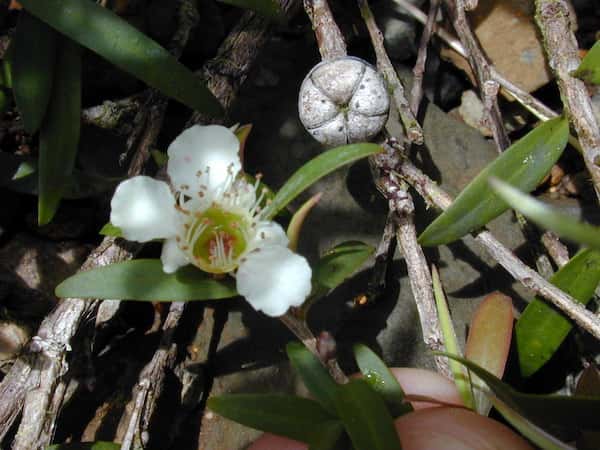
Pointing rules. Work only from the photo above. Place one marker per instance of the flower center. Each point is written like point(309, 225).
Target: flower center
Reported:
point(216, 239)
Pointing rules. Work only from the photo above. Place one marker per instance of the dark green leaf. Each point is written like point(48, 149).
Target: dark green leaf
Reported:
point(86, 446)
point(541, 328)
point(294, 417)
point(381, 379)
point(315, 169)
point(267, 8)
point(78, 185)
point(59, 134)
point(589, 69)
point(523, 164)
point(560, 411)
point(33, 56)
point(330, 436)
point(366, 418)
point(144, 279)
point(546, 217)
point(339, 263)
point(315, 377)
point(105, 33)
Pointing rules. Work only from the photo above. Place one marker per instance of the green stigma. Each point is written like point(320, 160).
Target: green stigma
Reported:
point(216, 239)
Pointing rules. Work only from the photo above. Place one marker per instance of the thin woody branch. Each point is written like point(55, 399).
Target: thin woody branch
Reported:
point(416, 94)
point(508, 89)
point(435, 195)
point(553, 19)
point(413, 130)
point(482, 69)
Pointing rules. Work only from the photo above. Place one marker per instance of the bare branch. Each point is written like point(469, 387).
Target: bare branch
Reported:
point(413, 130)
point(417, 87)
point(553, 19)
point(432, 193)
point(509, 89)
point(329, 37)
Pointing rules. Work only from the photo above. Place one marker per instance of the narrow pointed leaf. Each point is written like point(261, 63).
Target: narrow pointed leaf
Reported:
point(294, 417)
point(33, 56)
point(315, 377)
point(86, 446)
point(315, 169)
point(59, 134)
point(144, 279)
point(110, 230)
point(546, 217)
point(295, 226)
point(105, 33)
point(523, 164)
point(365, 417)
point(528, 429)
point(560, 411)
point(489, 340)
point(589, 69)
point(339, 263)
point(381, 379)
point(461, 379)
point(541, 328)
point(267, 8)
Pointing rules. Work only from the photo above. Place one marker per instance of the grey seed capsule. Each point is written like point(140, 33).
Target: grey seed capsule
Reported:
point(342, 101)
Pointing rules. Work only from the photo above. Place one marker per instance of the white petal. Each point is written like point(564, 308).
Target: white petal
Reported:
point(267, 234)
point(144, 209)
point(172, 257)
point(200, 147)
point(274, 278)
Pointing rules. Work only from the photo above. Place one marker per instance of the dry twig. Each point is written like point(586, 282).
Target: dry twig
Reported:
point(416, 94)
point(413, 130)
point(553, 19)
point(435, 195)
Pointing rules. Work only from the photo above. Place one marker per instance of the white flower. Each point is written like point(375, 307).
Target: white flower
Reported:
point(211, 218)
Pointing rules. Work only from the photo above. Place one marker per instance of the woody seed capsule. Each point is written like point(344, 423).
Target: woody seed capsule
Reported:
point(342, 101)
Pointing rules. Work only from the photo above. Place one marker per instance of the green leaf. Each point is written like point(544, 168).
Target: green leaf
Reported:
point(267, 8)
point(381, 379)
point(461, 379)
point(33, 56)
point(489, 340)
point(297, 222)
point(144, 279)
point(13, 167)
point(541, 328)
point(105, 33)
point(560, 411)
point(86, 446)
point(523, 164)
point(294, 417)
point(59, 134)
point(315, 377)
point(110, 230)
point(365, 417)
point(546, 217)
point(78, 185)
point(339, 263)
point(315, 169)
point(589, 69)
point(331, 436)
point(535, 434)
